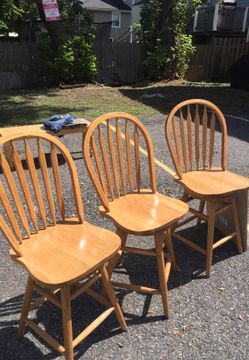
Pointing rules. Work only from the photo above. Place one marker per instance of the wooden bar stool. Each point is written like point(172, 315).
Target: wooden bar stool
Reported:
point(64, 256)
point(190, 131)
point(116, 171)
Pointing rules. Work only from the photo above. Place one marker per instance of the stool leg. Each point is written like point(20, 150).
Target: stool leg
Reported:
point(67, 322)
point(25, 307)
point(116, 260)
point(170, 248)
point(210, 236)
point(185, 197)
point(112, 297)
point(159, 240)
point(236, 224)
point(201, 208)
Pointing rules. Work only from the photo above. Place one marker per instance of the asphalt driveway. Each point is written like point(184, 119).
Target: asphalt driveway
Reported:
point(209, 317)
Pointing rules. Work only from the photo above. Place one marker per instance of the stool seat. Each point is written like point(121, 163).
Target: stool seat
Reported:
point(213, 183)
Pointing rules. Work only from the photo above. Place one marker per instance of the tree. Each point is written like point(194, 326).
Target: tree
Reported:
point(15, 14)
point(163, 32)
point(66, 51)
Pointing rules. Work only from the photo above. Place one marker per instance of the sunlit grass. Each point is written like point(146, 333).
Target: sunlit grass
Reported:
point(33, 106)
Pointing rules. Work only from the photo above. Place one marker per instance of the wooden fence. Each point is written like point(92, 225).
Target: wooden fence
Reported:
point(15, 64)
point(213, 60)
point(123, 62)
point(119, 62)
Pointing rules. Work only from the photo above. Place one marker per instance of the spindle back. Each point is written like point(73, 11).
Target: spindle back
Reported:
point(31, 194)
point(114, 141)
point(190, 133)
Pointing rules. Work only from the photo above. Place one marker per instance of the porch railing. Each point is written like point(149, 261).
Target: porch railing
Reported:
point(221, 18)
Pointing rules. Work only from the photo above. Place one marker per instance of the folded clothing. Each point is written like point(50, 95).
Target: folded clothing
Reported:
point(58, 122)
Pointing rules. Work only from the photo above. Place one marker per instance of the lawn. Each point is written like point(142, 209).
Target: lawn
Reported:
point(33, 106)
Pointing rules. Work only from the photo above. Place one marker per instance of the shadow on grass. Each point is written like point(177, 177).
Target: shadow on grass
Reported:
point(223, 96)
point(22, 107)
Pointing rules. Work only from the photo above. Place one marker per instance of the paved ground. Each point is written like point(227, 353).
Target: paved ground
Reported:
point(209, 317)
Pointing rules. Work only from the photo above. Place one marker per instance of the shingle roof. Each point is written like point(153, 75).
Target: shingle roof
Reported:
point(140, 2)
point(106, 4)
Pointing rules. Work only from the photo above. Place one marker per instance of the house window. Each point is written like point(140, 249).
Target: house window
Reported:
point(116, 19)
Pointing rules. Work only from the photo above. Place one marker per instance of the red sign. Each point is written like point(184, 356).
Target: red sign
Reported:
point(51, 10)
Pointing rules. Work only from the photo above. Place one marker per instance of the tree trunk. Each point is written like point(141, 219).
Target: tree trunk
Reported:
point(56, 29)
point(166, 28)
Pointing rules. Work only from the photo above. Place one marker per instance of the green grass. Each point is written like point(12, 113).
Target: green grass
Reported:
point(19, 107)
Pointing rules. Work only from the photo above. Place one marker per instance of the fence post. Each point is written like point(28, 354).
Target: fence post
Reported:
point(245, 19)
point(216, 16)
point(131, 34)
point(195, 19)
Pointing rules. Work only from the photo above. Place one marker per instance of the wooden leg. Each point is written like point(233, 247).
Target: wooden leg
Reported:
point(159, 240)
point(185, 197)
point(201, 209)
point(112, 297)
point(210, 236)
point(170, 248)
point(115, 260)
point(25, 307)
point(67, 322)
point(236, 224)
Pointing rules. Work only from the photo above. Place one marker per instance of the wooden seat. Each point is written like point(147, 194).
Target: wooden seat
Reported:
point(154, 211)
point(213, 183)
point(195, 130)
point(64, 256)
point(118, 175)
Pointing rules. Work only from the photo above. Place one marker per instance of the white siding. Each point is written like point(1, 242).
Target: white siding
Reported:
point(239, 2)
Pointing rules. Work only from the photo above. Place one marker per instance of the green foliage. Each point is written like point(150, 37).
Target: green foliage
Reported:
point(163, 58)
point(183, 52)
point(184, 48)
point(72, 60)
point(14, 14)
point(75, 60)
point(46, 53)
point(149, 33)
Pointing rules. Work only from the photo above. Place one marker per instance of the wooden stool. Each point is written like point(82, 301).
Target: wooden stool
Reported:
point(190, 134)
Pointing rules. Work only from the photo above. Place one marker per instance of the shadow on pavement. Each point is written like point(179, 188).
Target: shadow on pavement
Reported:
point(140, 270)
point(223, 97)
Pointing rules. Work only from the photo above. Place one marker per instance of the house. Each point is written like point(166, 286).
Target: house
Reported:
point(136, 8)
point(226, 16)
point(112, 16)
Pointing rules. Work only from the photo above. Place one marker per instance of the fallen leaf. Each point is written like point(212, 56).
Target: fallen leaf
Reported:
point(151, 311)
point(120, 344)
point(241, 317)
point(176, 333)
point(185, 327)
point(221, 289)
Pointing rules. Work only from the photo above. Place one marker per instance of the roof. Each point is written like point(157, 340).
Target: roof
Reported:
point(106, 5)
point(141, 2)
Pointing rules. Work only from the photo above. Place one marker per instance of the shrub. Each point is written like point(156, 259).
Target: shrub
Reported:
point(75, 61)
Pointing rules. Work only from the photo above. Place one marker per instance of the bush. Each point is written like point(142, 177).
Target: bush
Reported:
point(75, 61)
point(72, 59)
point(183, 52)
point(168, 47)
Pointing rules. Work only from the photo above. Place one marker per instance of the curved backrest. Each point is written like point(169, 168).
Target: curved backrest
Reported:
point(190, 134)
point(31, 193)
point(115, 168)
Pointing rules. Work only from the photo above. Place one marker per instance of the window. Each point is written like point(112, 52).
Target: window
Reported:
point(116, 19)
